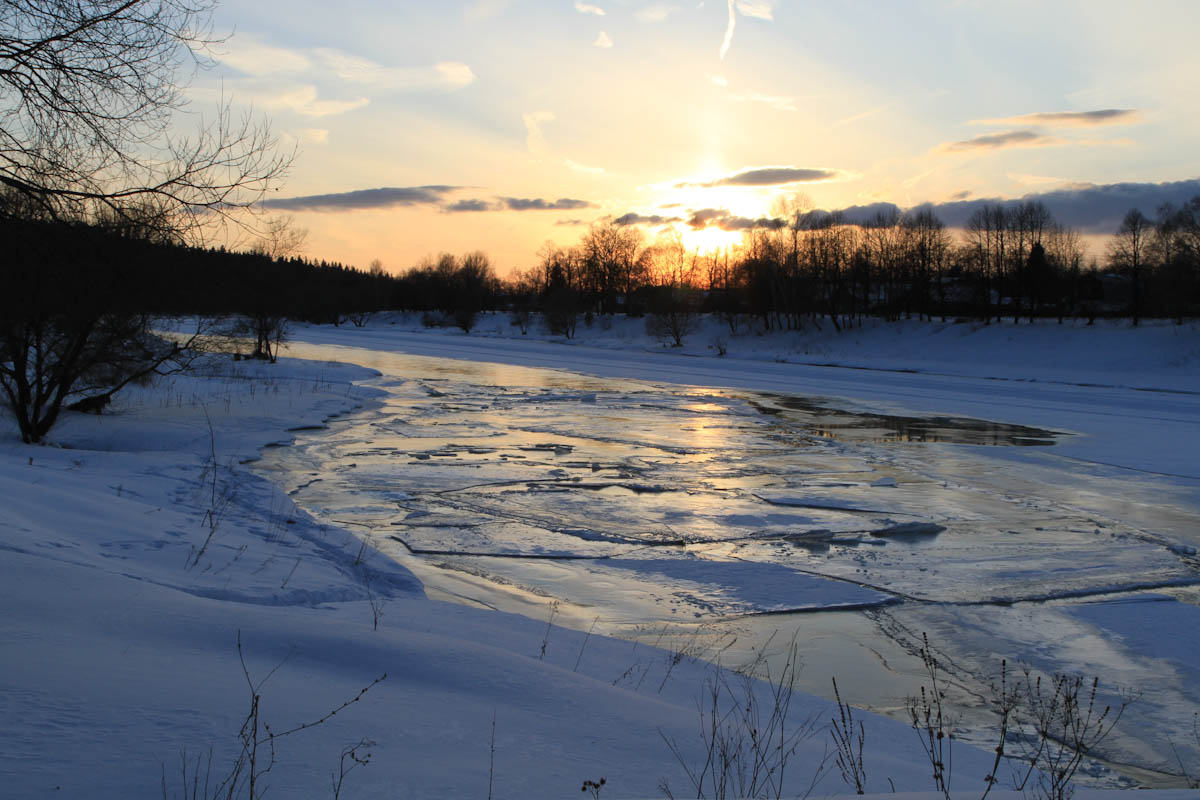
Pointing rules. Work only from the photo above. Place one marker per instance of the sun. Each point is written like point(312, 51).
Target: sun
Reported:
point(721, 203)
point(708, 240)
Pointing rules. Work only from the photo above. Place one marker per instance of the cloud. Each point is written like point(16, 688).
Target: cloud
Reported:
point(260, 61)
point(1103, 116)
point(271, 95)
point(999, 141)
point(387, 197)
point(603, 40)
point(1090, 208)
point(777, 103)
point(303, 100)
point(575, 166)
point(251, 56)
point(767, 176)
point(446, 76)
point(862, 214)
point(721, 218)
point(538, 204)
point(470, 205)
point(701, 218)
point(516, 204)
point(633, 218)
point(729, 26)
point(718, 80)
point(759, 9)
point(658, 12)
point(311, 135)
point(565, 222)
point(434, 195)
point(1096, 209)
point(585, 8)
point(534, 139)
point(1033, 181)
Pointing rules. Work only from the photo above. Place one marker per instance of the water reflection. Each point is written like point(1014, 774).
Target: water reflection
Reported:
point(832, 423)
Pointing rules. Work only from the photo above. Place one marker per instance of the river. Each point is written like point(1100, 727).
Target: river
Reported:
point(728, 524)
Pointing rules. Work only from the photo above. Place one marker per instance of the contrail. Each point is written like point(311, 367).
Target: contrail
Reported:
point(729, 29)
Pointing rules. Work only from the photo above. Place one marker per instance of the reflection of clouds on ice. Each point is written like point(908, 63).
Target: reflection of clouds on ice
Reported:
point(1156, 625)
point(1147, 644)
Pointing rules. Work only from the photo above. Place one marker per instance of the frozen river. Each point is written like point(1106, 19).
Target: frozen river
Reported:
point(725, 521)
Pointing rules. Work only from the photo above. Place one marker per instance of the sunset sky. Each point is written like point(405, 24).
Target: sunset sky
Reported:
point(498, 124)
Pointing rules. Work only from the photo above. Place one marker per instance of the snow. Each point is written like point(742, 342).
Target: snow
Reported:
point(132, 560)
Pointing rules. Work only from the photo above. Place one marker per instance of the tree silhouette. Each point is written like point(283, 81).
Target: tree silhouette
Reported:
point(1127, 253)
point(89, 90)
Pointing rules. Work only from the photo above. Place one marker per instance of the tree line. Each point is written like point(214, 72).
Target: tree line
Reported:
point(79, 299)
point(1010, 261)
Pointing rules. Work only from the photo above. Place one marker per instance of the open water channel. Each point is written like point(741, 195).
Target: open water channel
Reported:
point(727, 524)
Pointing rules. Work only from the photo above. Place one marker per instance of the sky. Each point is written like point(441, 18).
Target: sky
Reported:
point(496, 125)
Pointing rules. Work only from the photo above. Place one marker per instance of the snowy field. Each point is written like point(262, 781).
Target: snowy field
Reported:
point(678, 485)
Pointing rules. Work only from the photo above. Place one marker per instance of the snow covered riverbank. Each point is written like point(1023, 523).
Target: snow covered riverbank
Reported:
point(127, 574)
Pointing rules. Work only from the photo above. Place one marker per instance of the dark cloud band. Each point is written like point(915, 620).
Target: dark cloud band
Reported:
point(1093, 209)
point(386, 197)
point(470, 205)
point(997, 141)
point(767, 176)
point(538, 204)
point(1102, 116)
point(1096, 209)
point(642, 219)
point(390, 197)
point(721, 218)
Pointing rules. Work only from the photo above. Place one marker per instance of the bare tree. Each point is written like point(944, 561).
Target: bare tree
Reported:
point(265, 317)
point(988, 244)
point(674, 313)
point(89, 91)
point(279, 237)
point(473, 284)
point(73, 326)
point(361, 313)
point(560, 275)
point(928, 246)
point(1175, 250)
point(612, 266)
point(1127, 252)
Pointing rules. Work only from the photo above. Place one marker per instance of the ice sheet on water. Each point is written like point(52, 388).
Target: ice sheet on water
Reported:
point(854, 501)
point(972, 563)
point(544, 470)
point(501, 539)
